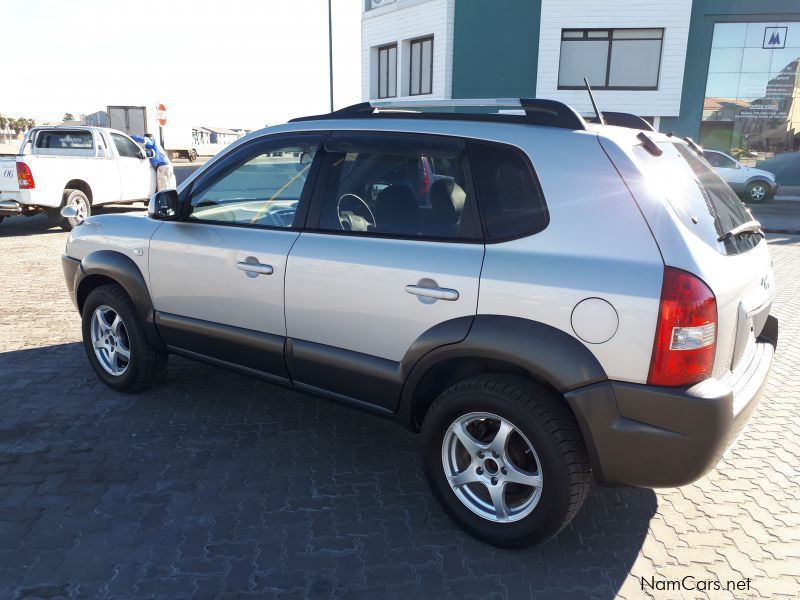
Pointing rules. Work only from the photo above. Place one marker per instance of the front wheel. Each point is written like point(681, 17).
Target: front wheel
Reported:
point(116, 343)
point(505, 458)
point(757, 191)
point(82, 204)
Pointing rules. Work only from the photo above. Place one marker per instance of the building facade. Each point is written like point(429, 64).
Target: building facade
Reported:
point(724, 72)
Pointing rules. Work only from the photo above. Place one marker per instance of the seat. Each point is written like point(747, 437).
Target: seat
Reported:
point(396, 211)
point(447, 201)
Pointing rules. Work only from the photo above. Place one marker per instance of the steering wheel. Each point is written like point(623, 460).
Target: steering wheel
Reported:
point(352, 221)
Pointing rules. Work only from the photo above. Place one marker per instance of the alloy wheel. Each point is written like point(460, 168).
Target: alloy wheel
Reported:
point(757, 193)
point(82, 207)
point(491, 466)
point(110, 340)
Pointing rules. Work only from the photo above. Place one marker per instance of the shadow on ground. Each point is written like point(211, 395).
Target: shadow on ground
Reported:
point(214, 484)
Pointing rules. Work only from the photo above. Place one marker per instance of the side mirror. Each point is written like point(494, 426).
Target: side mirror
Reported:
point(164, 206)
point(149, 153)
point(69, 212)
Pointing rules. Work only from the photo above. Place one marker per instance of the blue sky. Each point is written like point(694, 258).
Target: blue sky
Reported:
point(226, 63)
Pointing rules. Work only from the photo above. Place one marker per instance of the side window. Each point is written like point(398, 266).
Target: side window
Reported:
point(511, 202)
point(264, 189)
point(715, 159)
point(399, 185)
point(127, 148)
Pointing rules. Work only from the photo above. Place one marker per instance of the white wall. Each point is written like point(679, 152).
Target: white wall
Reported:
point(399, 23)
point(673, 16)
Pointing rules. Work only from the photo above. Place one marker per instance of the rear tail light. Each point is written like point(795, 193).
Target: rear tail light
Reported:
point(686, 334)
point(25, 177)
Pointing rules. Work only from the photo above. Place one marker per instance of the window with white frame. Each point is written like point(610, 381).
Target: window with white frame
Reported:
point(421, 68)
point(387, 71)
point(621, 59)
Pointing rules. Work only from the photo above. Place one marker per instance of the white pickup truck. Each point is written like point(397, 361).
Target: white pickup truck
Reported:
point(78, 166)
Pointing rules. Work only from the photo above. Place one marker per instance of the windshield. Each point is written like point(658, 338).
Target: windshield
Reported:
point(702, 200)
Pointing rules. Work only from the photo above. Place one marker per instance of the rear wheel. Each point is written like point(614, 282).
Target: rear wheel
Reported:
point(505, 458)
point(192, 155)
point(757, 191)
point(82, 204)
point(116, 343)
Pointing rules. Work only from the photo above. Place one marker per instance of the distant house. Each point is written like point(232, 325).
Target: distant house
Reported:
point(200, 136)
point(222, 136)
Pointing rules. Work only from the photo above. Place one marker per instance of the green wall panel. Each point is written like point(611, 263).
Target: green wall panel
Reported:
point(496, 48)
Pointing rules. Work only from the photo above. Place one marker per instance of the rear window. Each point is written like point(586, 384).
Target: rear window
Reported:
point(511, 202)
point(702, 200)
point(64, 140)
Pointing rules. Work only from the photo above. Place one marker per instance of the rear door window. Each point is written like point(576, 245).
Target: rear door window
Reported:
point(702, 200)
point(511, 201)
point(398, 185)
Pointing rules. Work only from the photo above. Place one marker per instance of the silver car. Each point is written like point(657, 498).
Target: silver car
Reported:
point(563, 301)
point(754, 185)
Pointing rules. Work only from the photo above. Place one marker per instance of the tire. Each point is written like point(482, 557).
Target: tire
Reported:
point(543, 423)
point(192, 155)
point(144, 364)
point(80, 200)
point(757, 192)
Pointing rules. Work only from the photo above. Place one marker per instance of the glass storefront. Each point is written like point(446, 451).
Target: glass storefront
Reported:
point(752, 102)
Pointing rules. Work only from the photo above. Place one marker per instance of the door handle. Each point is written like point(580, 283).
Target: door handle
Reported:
point(257, 268)
point(437, 293)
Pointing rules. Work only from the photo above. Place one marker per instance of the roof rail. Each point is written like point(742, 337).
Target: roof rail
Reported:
point(530, 111)
point(621, 119)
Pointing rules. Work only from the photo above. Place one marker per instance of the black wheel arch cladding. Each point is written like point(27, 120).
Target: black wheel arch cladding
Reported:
point(120, 269)
point(543, 352)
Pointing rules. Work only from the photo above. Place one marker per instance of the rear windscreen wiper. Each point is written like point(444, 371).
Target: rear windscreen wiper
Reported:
point(748, 227)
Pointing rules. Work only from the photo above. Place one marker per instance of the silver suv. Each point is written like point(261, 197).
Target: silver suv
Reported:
point(546, 300)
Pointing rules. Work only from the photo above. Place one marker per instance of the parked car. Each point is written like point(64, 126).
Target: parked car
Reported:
point(541, 321)
point(755, 185)
point(82, 167)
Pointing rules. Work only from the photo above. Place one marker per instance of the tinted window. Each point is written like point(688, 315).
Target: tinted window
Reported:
point(127, 148)
point(264, 189)
point(715, 159)
point(81, 140)
point(701, 199)
point(511, 204)
point(398, 185)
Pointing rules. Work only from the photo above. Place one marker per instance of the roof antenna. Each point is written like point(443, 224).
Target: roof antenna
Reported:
point(600, 118)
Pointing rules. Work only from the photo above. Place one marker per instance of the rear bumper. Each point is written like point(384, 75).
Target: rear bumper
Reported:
point(650, 436)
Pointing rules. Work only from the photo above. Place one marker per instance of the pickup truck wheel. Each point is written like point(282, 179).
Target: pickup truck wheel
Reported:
point(116, 343)
point(80, 201)
point(505, 458)
point(192, 155)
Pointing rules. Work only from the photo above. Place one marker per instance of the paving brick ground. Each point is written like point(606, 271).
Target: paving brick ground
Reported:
point(213, 485)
